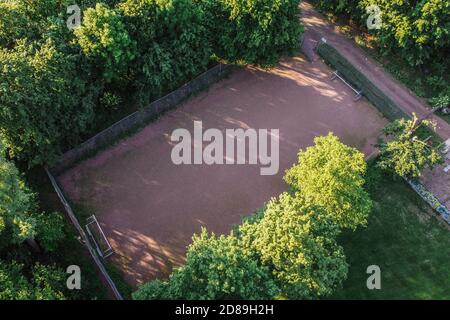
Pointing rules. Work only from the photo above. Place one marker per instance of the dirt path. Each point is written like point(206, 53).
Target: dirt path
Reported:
point(317, 27)
point(150, 208)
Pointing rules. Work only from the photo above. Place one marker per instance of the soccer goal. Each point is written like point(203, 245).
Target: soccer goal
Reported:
point(98, 237)
point(358, 93)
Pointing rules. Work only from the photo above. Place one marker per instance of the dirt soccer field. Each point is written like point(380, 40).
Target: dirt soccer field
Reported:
point(150, 208)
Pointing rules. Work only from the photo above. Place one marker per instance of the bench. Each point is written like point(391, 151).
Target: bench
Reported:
point(358, 93)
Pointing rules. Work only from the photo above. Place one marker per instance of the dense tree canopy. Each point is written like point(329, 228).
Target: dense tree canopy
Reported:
point(172, 44)
point(20, 218)
point(216, 268)
point(103, 37)
point(297, 241)
point(54, 82)
point(45, 283)
point(16, 206)
point(255, 31)
point(44, 103)
point(331, 174)
point(418, 30)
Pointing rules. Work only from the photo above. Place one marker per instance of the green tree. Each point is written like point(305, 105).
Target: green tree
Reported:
point(13, 23)
point(46, 282)
point(216, 268)
point(331, 174)
point(45, 104)
point(172, 45)
point(253, 31)
point(405, 153)
point(50, 230)
point(297, 241)
point(27, 19)
point(13, 285)
point(340, 6)
point(19, 217)
point(16, 206)
point(417, 31)
point(104, 38)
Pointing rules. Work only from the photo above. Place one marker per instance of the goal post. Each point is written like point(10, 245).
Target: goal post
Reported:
point(95, 232)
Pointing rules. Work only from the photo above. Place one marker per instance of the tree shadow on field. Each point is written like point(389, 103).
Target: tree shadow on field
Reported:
point(150, 207)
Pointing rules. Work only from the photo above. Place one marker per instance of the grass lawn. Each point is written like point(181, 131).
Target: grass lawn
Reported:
point(404, 238)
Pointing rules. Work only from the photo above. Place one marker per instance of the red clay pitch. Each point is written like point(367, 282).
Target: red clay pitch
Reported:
point(149, 208)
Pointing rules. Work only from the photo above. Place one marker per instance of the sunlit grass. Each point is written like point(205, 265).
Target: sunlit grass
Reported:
point(405, 239)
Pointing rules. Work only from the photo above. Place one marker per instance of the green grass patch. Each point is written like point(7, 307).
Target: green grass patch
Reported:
point(405, 239)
